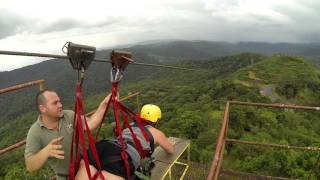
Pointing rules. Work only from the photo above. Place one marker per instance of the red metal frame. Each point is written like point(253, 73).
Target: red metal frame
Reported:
point(221, 140)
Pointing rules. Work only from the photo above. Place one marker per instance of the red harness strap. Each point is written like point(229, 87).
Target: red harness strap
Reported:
point(79, 136)
point(127, 113)
point(124, 155)
point(124, 110)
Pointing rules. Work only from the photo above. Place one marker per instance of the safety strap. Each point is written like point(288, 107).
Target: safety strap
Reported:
point(151, 139)
point(126, 114)
point(138, 120)
point(79, 137)
point(124, 155)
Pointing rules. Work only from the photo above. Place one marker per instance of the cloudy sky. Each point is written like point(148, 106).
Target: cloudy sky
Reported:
point(44, 26)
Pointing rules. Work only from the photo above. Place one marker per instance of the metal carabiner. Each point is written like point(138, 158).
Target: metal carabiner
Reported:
point(115, 74)
point(81, 75)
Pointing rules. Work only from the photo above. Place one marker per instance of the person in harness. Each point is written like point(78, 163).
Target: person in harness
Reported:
point(49, 138)
point(109, 151)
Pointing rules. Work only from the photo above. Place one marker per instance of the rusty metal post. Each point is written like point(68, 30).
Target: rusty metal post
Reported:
point(20, 86)
point(41, 86)
point(188, 156)
point(221, 140)
point(14, 88)
point(129, 96)
point(275, 105)
point(283, 146)
point(12, 147)
point(216, 163)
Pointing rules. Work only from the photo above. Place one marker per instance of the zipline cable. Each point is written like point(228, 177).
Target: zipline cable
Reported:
point(18, 53)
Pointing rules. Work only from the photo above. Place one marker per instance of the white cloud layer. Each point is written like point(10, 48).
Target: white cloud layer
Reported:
point(44, 26)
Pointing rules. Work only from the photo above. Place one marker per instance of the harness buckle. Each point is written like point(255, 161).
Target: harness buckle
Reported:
point(119, 61)
point(116, 74)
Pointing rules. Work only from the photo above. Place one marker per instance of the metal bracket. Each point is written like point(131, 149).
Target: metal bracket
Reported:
point(119, 61)
point(80, 56)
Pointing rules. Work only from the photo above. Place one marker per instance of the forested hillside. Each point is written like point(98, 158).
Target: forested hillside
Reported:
point(193, 103)
point(208, 49)
point(285, 79)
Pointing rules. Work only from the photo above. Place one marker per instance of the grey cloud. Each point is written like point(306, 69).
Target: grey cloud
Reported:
point(10, 23)
point(208, 20)
point(60, 25)
point(302, 12)
point(305, 16)
point(67, 24)
point(190, 6)
point(219, 30)
point(302, 24)
point(310, 37)
point(315, 5)
point(221, 5)
point(262, 19)
point(107, 22)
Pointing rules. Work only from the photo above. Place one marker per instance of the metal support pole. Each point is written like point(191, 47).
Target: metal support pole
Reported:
point(41, 86)
point(188, 156)
point(20, 86)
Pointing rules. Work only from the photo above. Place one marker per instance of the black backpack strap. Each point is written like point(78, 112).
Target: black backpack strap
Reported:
point(151, 139)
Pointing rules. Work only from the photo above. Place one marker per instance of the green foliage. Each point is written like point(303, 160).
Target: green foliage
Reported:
point(275, 127)
point(193, 103)
point(290, 79)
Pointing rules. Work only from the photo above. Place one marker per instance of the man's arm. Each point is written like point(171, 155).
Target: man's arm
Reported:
point(53, 149)
point(97, 117)
point(162, 140)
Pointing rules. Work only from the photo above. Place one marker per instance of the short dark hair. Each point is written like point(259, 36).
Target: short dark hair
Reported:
point(40, 99)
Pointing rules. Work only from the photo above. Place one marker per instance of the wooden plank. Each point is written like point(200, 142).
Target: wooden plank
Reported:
point(165, 161)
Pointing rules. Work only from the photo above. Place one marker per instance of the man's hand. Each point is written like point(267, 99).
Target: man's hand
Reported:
point(172, 142)
point(54, 148)
point(96, 118)
point(106, 99)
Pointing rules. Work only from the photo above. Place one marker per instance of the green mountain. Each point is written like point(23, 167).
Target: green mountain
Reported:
point(168, 88)
point(59, 75)
point(172, 50)
point(193, 103)
point(284, 79)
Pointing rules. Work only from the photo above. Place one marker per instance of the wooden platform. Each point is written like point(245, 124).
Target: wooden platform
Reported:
point(164, 162)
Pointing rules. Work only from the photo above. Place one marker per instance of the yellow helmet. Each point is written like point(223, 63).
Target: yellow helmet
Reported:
point(151, 112)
